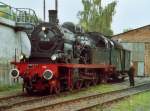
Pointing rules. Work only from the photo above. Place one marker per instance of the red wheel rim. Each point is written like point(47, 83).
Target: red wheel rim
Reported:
point(95, 81)
point(57, 89)
point(70, 87)
point(78, 85)
point(87, 84)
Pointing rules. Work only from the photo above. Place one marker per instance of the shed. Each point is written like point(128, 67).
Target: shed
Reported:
point(138, 41)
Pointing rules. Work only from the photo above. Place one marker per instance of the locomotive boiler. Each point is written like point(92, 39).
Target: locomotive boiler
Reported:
point(64, 57)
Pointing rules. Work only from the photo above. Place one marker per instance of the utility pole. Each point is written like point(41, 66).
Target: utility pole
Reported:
point(44, 10)
point(56, 7)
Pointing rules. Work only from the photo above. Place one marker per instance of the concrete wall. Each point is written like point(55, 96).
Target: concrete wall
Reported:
point(10, 40)
point(137, 56)
point(141, 51)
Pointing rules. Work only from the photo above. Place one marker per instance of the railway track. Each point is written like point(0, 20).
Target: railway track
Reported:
point(12, 102)
point(14, 99)
point(54, 102)
point(84, 103)
point(108, 102)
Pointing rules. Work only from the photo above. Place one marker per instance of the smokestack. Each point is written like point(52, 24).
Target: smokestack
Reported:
point(53, 17)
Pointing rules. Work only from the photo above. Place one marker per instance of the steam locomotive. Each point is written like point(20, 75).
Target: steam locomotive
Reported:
point(64, 57)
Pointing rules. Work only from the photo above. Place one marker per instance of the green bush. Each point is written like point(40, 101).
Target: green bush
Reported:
point(10, 87)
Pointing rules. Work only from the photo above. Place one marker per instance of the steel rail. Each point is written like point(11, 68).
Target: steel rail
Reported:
point(92, 100)
point(51, 98)
point(54, 101)
point(10, 96)
point(25, 99)
point(86, 108)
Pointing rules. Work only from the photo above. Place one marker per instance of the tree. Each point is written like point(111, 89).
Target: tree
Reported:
point(95, 18)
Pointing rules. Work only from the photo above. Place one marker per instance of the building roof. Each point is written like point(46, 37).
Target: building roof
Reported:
point(141, 34)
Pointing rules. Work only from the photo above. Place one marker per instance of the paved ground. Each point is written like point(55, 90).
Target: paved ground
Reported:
point(138, 80)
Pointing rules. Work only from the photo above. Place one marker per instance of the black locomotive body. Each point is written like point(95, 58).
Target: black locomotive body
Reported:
point(63, 57)
point(52, 43)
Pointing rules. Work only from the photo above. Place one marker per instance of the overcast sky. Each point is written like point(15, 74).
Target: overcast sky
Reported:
point(129, 13)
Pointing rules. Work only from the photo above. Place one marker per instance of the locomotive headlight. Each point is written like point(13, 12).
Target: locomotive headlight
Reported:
point(45, 36)
point(48, 74)
point(21, 57)
point(43, 28)
point(14, 73)
point(53, 57)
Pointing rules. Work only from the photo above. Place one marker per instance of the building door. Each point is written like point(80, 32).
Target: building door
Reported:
point(140, 69)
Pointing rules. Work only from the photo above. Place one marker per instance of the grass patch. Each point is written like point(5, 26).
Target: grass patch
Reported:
point(8, 87)
point(138, 102)
point(102, 88)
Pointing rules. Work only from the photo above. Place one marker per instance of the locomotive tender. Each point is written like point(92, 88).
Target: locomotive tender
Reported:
point(64, 58)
